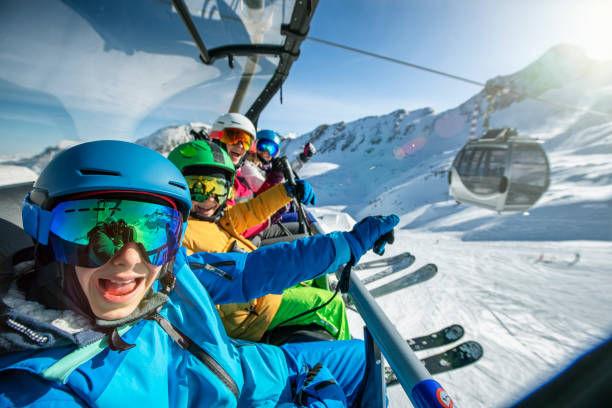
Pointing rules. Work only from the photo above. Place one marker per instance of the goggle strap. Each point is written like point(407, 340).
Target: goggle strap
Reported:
point(36, 221)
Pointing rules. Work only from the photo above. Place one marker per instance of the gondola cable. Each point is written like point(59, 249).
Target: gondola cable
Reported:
point(456, 77)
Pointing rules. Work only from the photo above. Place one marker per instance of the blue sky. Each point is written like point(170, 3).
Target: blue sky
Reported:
point(476, 39)
point(76, 97)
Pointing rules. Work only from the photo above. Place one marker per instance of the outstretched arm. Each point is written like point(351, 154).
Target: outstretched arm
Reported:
point(237, 277)
point(257, 210)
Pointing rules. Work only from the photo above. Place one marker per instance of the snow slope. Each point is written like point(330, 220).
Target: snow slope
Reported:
point(532, 316)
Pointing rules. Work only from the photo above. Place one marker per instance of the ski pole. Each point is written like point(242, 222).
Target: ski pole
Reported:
point(304, 226)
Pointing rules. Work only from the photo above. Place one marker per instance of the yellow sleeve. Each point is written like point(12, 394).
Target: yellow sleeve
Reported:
point(257, 210)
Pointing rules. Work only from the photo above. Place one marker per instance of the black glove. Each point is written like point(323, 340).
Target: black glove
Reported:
point(309, 150)
point(277, 164)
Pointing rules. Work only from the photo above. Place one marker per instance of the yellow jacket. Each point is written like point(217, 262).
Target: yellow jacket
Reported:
point(247, 321)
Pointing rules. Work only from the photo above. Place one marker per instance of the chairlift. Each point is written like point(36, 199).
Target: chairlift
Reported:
point(501, 171)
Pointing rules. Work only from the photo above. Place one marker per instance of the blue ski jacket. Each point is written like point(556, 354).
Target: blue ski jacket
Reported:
point(182, 356)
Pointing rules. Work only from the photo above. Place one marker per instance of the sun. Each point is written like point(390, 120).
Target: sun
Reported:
point(594, 30)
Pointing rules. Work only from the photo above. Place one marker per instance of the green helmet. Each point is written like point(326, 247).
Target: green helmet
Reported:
point(200, 157)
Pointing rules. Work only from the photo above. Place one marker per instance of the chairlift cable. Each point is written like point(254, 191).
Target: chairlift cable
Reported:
point(371, 54)
point(456, 77)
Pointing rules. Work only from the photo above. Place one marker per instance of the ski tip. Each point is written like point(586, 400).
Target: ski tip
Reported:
point(472, 348)
point(454, 332)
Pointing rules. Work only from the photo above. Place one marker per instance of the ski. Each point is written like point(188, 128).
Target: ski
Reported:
point(442, 337)
point(383, 262)
point(422, 274)
point(459, 356)
point(400, 265)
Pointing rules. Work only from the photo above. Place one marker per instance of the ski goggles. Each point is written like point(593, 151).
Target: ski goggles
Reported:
point(202, 187)
point(232, 136)
point(267, 146)
point(89, 232)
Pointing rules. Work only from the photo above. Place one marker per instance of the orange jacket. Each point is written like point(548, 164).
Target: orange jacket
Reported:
point(250, 320)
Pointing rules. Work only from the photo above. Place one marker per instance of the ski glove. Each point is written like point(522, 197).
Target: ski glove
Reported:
point(302, 191)
point(276, 174)
point(309, 151)
point(371, 232)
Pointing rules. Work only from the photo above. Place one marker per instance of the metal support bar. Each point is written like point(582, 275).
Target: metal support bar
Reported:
point(295, 31)
point(237, 50)
point(420, 387)
point(406, 365)
point(375, 372)
point(182, 10)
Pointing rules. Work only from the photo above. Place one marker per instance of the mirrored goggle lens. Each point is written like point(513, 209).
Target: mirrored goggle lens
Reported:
point(269, 146)
point(89, 232)
point(232, 136)
point(202, 187)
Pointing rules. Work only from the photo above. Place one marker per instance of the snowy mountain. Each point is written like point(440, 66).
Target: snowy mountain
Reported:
point(27, 168)
point(398, 162)
point(20, 170)
point(166, 139)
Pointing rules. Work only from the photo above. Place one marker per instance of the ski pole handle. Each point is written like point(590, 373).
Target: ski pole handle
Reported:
point(288, 171)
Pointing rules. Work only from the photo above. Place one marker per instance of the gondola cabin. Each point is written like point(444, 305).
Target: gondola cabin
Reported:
point(501, 171)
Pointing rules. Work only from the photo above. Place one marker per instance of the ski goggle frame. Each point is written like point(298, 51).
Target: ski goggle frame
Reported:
point(232, 136)
point(202, 187)
point(268, 146)
point(89, 232)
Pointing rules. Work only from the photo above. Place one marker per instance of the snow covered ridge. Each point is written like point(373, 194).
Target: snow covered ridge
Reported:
point(166, 139)
point(34, 164)
point(22, 170)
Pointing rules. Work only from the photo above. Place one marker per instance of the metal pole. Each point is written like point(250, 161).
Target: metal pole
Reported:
point(420, 387)
point(183, 11)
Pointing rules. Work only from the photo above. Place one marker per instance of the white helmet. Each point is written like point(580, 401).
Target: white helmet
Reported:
point(235, 121)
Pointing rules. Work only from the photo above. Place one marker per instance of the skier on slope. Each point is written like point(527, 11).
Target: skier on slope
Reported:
point(212, 227)
point(136, 325)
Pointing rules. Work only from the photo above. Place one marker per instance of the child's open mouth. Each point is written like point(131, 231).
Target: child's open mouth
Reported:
point(206, 209)
point(118, 290)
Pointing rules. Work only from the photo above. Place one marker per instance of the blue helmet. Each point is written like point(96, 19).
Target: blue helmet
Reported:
point(269, 135)
point(105, 165)
point(268, 140)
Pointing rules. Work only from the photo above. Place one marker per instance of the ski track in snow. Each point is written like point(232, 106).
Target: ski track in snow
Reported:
point(533, 317)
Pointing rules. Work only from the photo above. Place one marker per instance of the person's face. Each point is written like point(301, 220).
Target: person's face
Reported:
point(115, 289)
point(206, 208)
point(236, 152)
point(264, 154)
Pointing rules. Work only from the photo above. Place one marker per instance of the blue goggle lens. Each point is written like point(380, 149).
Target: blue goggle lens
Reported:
point(269, 146)
point(89, 232)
